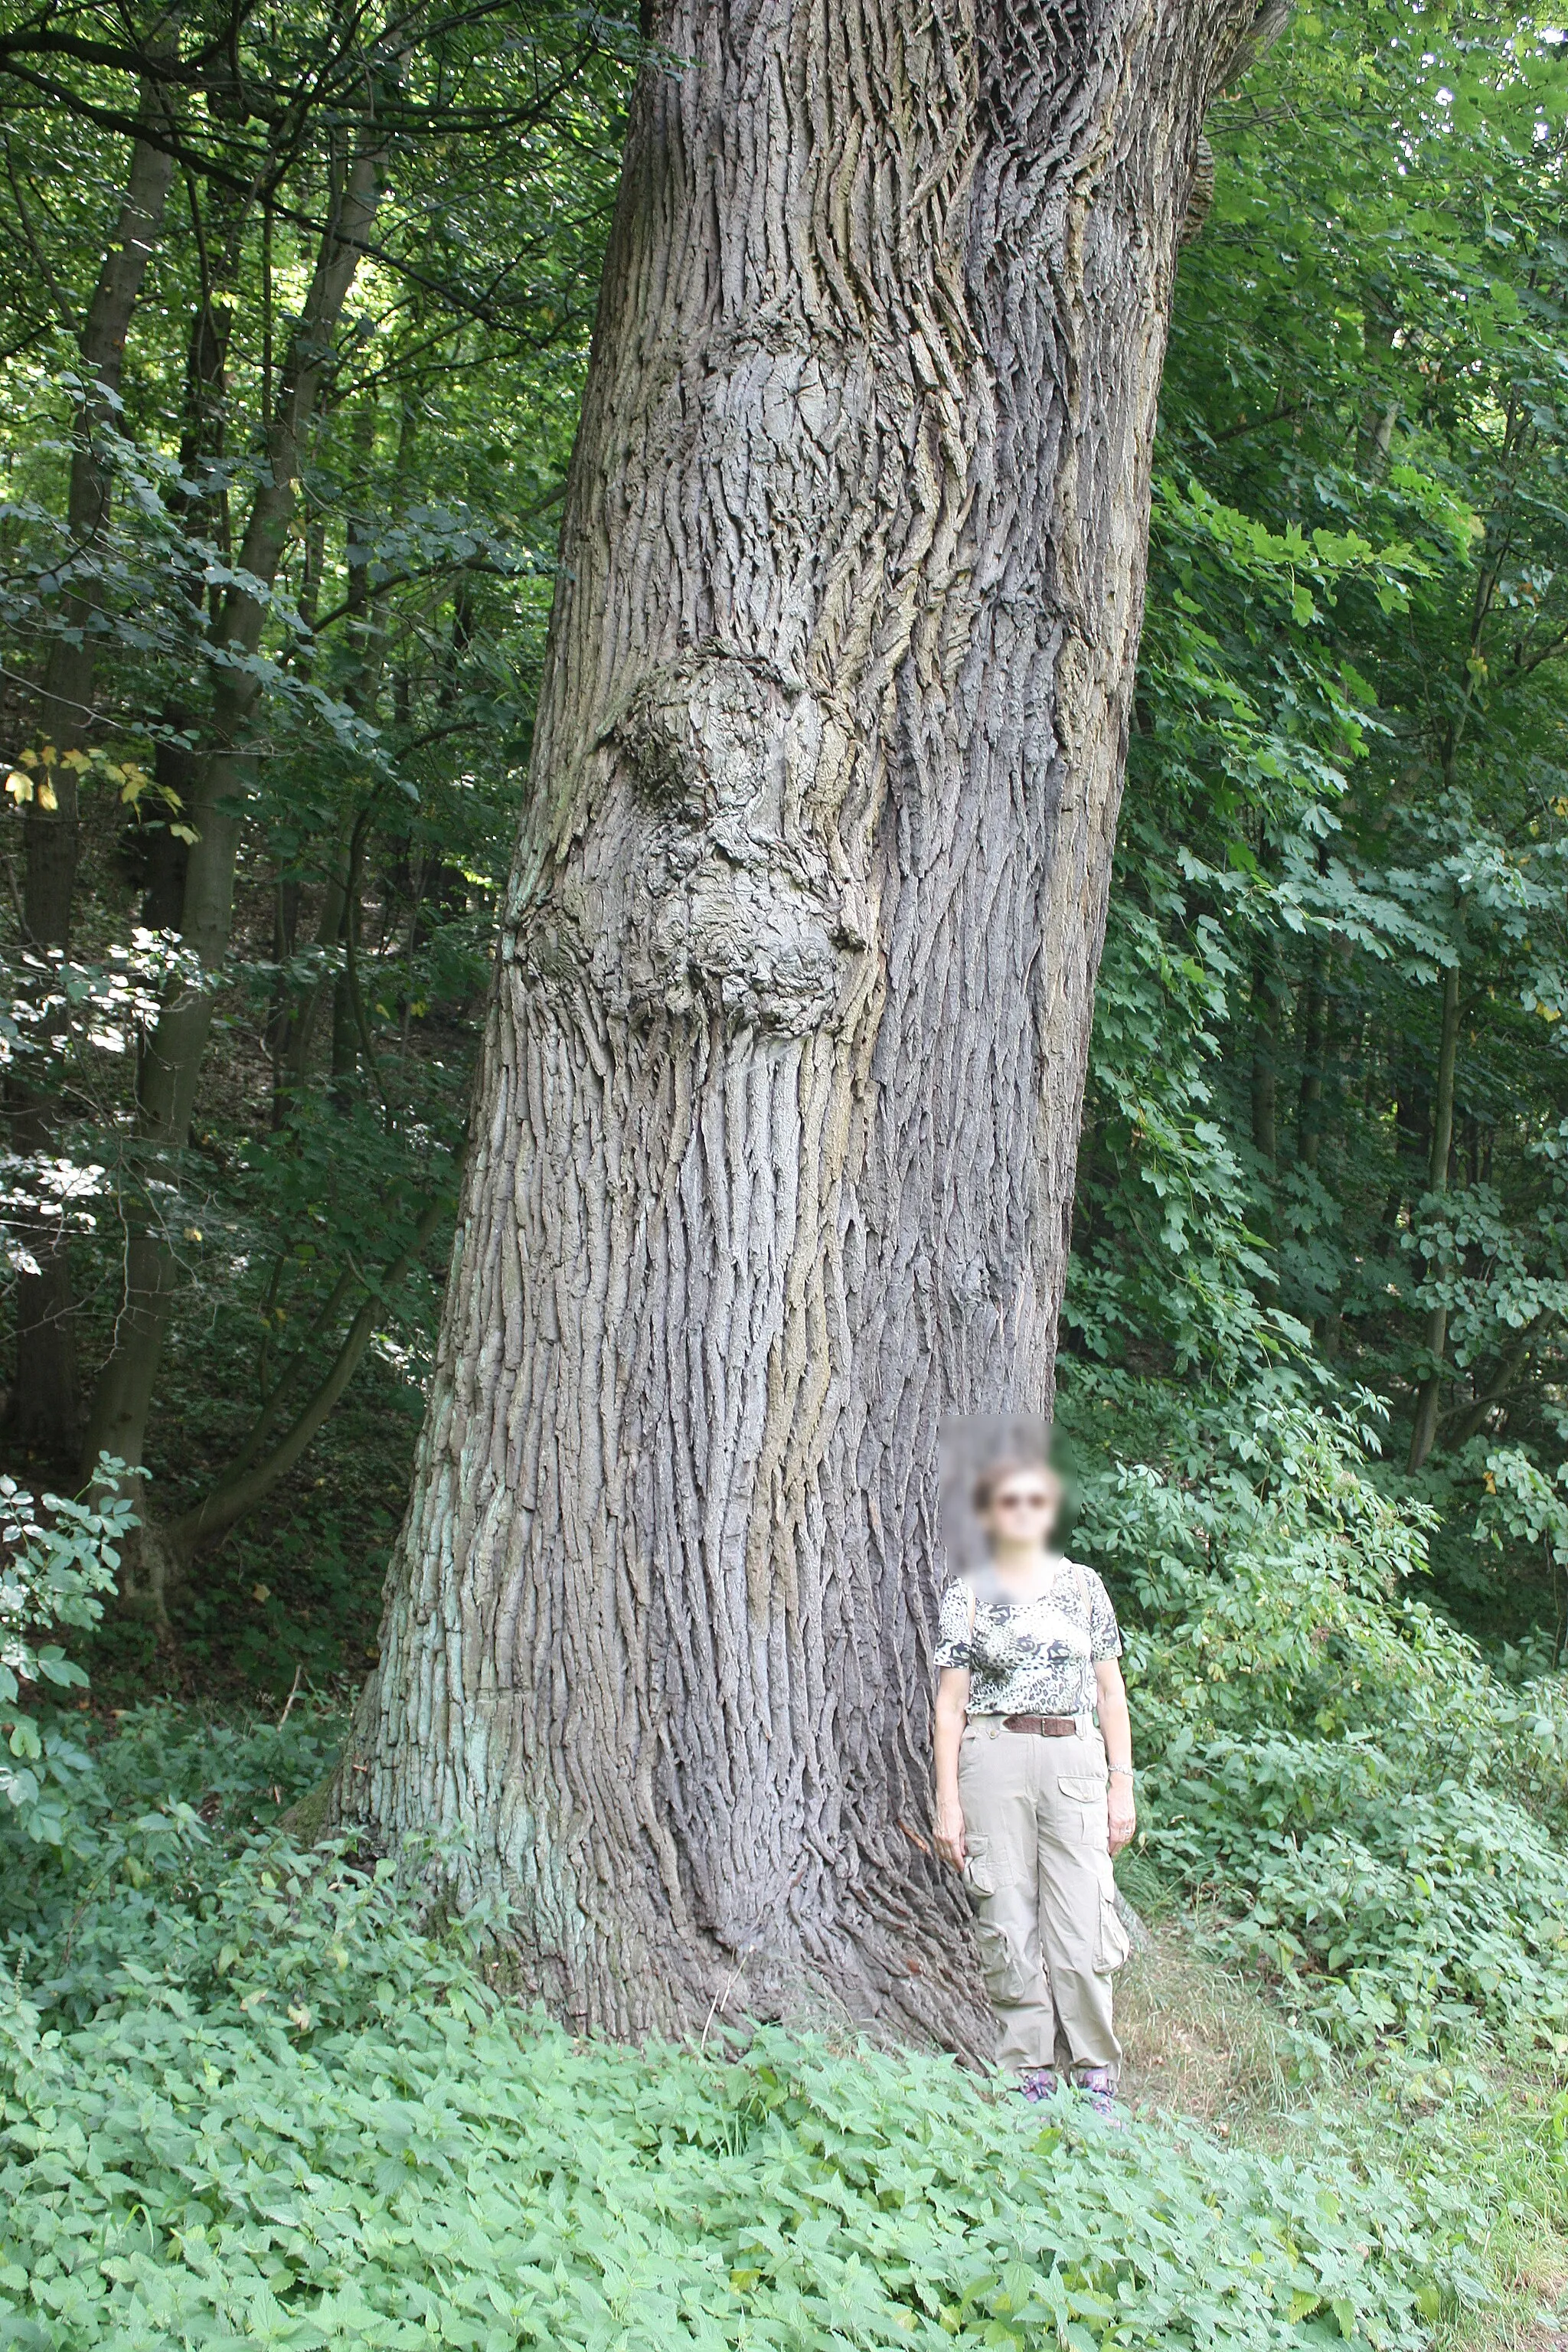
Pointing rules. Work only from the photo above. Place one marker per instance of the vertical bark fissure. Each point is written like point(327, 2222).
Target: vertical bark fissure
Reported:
point(773, 1148)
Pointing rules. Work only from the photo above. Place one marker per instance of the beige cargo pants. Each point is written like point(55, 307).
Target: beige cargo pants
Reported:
point(1038, 1877)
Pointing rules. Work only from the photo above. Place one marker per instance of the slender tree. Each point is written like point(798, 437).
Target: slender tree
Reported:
point(773, 1151)
point(173, 1051)
point(44, 1406)
point(1428, 1397)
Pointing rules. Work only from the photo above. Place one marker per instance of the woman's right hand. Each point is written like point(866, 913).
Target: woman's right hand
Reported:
point(949, 1831)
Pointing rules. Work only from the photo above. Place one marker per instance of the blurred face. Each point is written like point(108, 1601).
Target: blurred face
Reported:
point(1024, 1508)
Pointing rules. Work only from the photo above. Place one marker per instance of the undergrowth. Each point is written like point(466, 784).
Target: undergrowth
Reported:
point(1368, 1811)
point(243, 2096)
point(248, 2095)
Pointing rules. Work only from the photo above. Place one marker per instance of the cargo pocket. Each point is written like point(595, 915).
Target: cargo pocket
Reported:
point(979, 1871)
point(1113, 1946)
point(1000, 1933)
point(1004, 1964)
point(1087, 1790)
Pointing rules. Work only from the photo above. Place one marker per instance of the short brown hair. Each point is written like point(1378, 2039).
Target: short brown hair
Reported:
point(1011, 1466)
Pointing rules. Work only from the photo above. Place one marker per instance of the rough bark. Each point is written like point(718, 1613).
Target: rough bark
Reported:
point(772, 1159)
point(173, 1055)
point(44, 1407)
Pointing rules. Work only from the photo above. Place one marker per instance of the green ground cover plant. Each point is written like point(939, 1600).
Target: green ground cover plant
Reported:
point(244, 2098)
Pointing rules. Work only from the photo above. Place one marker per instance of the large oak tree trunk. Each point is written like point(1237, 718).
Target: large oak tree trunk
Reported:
point(772, 1152)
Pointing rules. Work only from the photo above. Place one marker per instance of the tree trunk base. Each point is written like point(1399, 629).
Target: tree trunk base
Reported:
point(892, 1963)
point(151, 1569)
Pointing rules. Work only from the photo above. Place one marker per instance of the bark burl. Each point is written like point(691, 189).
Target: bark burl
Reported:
point(771, 1156)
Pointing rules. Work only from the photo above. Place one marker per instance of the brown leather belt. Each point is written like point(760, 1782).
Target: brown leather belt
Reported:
point(1049, 1727)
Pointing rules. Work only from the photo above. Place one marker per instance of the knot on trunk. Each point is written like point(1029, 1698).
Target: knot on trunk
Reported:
point(710, 881)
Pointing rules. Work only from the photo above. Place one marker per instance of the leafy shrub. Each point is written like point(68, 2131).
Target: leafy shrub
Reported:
point(1367, 1803)
point(57, 1561)
point(144, 1827)
point(1380, 1909)
point(292, 2119)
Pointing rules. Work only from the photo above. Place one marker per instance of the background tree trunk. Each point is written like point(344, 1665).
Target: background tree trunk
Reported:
point(44, 1406)
point(773, 1151)
point(1429, 1395)
point(173, 1053)
point(1265, 1052)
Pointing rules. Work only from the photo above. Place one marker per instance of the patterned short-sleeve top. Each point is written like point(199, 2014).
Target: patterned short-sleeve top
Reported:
point(1029, 1657)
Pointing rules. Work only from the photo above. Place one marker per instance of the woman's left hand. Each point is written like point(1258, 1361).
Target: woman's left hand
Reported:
point(1122, 1814)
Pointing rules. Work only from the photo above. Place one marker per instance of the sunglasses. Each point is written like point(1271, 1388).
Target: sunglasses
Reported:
point(1037, 1501)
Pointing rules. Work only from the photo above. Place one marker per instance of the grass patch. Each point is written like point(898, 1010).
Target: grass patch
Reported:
point(1199, 2041)
point(1482, 2144)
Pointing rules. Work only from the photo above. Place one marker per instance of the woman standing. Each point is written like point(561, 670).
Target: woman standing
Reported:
point(1033, 1799)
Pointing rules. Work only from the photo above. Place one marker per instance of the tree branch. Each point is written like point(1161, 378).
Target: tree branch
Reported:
point(193, 159)
point(235, 1494)
point(1276, 415)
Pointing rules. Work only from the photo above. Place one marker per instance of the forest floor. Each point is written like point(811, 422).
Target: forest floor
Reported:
point(1202, 2044)
point(378, 2140)
point(290, 1605)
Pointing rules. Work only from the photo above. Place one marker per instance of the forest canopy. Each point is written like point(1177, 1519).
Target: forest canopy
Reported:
point(1324, 1139)
point(302, 489)
point(1326, 1117)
